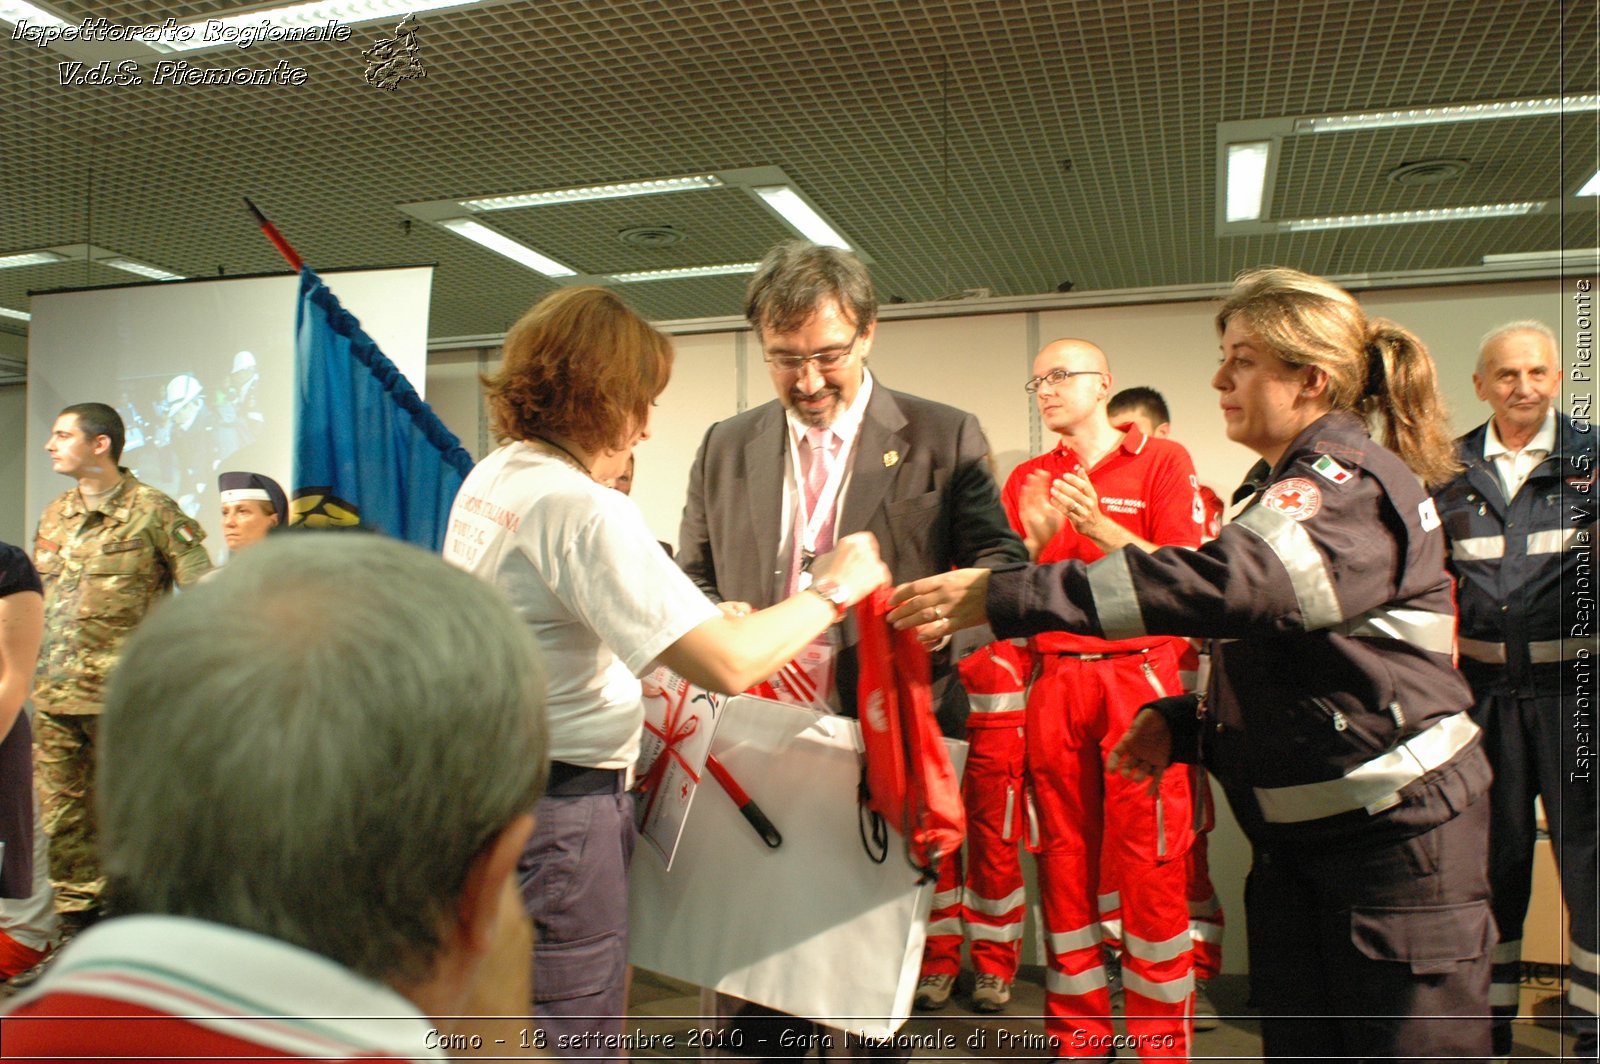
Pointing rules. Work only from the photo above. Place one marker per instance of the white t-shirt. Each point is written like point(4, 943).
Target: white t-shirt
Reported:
point(580, 566)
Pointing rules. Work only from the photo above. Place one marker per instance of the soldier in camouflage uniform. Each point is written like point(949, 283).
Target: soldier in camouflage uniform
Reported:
point(106, 551)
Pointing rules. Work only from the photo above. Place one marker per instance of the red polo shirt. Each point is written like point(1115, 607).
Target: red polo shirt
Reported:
point(1147, 486)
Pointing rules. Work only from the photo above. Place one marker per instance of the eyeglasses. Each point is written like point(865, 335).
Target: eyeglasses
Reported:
point(1057, 377)
point(825, 360)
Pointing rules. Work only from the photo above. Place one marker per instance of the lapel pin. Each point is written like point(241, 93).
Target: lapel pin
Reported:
point(890, 458)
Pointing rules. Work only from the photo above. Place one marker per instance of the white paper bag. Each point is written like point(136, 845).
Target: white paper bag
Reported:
point(679, 713)
point(814, 927)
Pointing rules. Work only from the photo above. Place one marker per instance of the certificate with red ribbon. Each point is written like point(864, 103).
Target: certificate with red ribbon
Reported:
point(679, 722)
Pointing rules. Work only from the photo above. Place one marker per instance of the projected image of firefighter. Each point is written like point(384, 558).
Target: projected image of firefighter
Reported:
point(187, 440)
point(239, 417)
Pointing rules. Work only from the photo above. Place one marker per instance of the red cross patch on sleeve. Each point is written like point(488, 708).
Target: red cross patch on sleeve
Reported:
point(1297, 498)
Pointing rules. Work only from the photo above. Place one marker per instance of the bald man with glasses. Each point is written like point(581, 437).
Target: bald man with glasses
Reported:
point(1110, 850)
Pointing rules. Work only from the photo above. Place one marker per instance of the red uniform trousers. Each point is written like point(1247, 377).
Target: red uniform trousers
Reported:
point(1090, 821)
point(980, 891)
point(1207, 921)
point(1205, 909)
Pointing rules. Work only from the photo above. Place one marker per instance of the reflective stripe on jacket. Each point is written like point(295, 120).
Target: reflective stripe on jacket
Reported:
point(1514, 561)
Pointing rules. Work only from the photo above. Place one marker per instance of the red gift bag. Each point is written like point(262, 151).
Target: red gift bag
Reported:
point(906, 778)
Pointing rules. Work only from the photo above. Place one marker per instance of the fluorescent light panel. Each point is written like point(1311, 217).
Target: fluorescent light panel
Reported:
point(29, 258)
point(499, 243)
point(15, 11)
point(782, 199)
point(1247, 179)
point(20, 315)
point(619, 190)
point(1591, 187)
point(143, 269)
point(316, 13)
point(1562, 255)
point(1441, 214)
point(798, 213)
point(1469, 112)
point(682, 273)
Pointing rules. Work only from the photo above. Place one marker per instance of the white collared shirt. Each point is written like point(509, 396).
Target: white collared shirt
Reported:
point(1514, 467)
point(847, 426)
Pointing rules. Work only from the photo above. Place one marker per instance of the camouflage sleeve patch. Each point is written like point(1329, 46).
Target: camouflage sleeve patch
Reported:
point(187, 558)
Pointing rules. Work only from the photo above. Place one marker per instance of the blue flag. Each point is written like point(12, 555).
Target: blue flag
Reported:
point(368, 450)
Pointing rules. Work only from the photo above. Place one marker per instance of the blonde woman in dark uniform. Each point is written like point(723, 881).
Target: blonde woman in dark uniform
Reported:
point(1335, 718)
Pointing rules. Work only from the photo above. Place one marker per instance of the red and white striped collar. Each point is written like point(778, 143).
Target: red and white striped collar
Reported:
point(240, 984)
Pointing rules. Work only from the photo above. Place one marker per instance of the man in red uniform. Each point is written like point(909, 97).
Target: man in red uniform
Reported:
point(980, 892)
point(1147, 409)
point(1101, 488)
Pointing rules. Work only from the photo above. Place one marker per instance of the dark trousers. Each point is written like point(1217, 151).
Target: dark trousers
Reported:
point(1375, 954)
point(1532, 742)
point(574, 878)
point(16, 810)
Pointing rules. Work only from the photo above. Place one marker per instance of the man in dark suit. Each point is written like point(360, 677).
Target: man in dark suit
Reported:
point(835, 453)
point(913, 472)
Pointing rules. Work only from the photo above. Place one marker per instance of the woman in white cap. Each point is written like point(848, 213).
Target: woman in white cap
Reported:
point(252, 506)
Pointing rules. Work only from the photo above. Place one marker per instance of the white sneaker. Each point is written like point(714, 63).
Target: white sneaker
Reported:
point(933, 992)
point(992, 994)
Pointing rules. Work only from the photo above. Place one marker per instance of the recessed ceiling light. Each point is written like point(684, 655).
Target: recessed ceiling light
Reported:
point(1440, 214)
point(143, 269)
point(302, 17)
point(684, 272)
point(583, 193)
point(499, 243)
point(19, 11)
point(1559, 255)
point(784, 200)
point(1468, 112)
point(29, 258)
point(768, 184)
point(1247, 179)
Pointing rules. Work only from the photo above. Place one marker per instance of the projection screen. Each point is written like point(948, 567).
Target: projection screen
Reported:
point(201, 371)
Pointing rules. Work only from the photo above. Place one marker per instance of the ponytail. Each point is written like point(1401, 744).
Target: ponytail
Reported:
point(1402, 392)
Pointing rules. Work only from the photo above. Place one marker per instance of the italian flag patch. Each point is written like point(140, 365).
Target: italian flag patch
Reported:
point(1331, 470)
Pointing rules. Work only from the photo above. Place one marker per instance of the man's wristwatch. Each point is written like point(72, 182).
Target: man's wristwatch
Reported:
point(834, 595)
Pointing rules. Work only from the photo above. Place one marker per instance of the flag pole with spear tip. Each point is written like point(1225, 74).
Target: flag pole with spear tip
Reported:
point(290, 255)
